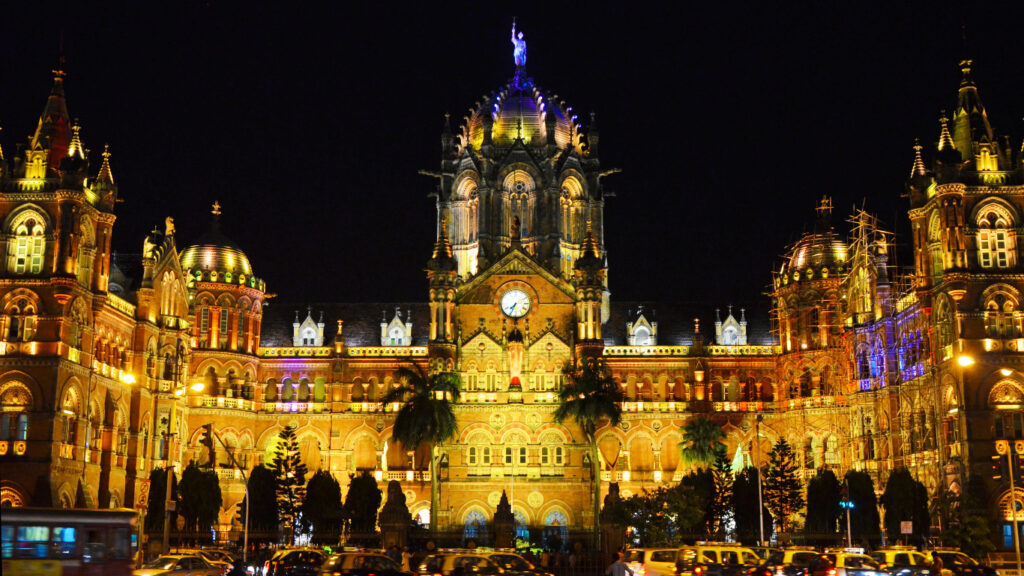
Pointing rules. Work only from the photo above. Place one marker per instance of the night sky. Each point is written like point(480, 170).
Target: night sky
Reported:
point(309, 124)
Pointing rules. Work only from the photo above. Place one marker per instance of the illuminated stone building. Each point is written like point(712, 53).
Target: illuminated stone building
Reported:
point(106, 374)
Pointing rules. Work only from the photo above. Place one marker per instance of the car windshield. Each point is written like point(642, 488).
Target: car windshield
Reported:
point(633, 556)
point(163, 563)
point(510, 562)
point(956, 559)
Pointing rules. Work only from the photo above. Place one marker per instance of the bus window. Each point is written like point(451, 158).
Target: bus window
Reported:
point(7, 541)
point(121, 548)
point(95, 545)
point(63, 541)
point(32, 542)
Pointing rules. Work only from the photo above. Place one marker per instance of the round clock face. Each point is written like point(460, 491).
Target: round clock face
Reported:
point(515, 303)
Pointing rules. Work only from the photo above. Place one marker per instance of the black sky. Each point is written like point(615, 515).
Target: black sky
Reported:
point(309, 123)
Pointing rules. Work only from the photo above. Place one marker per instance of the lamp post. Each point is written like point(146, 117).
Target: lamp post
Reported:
point(847, 503)
point(757, 464)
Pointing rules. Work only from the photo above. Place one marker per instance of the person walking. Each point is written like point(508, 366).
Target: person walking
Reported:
point(618, 567)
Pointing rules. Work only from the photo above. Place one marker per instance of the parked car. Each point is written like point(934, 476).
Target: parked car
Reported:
point(651, 561)
point(715, 559)
point(179, 564)
point(361, 564)
point(902, 561)
point(847, 562)
point(294, 562)
point(960, 564)
point(215, 557)
point(791, 561)
point(472, 563)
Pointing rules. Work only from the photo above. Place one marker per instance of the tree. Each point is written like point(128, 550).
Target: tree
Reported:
point(199, 497)
point(864, 520)
point(263, 491)
point(781, 485)
point(701, 441)
point(322, 506)
point(590, 396)
point(967, 527)
point(701, 483)
point(744, 508)
point(362, 502)
point(157, 497)
point(290, 477)
point(664, 515)
point(720, 510)
point(905, 499)
point(823, 511)
point(426, 416)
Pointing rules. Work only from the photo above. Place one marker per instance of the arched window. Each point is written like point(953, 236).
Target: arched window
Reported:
point(996, 240)
point(641, 336)
point(20, 320)
point(15, 403)
point(475, 527)
point(27, 245)
point(944, 323)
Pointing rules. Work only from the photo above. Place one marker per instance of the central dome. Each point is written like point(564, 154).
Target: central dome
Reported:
point(521, 109)
point(818, 254)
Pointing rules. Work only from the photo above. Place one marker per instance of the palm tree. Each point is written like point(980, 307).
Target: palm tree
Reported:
point(426, 416)
point(701, 441)
point(589, 396)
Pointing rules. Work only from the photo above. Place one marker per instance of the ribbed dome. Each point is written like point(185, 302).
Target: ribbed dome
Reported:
point(216, 258)
point(816, 255)
point(521, 105)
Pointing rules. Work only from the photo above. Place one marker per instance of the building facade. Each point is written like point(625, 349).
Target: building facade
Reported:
point(106, 375)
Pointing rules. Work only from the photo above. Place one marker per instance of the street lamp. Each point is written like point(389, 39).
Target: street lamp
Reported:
point(847, 503)
point(1003, 449)
point(757, 464)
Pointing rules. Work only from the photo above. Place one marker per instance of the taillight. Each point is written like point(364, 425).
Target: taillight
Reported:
point(336, 574)
point(698, 570)
point(642, 571)
point(832, 572)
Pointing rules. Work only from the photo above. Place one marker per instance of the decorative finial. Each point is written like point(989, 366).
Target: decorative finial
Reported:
point(918, 168)
point(825, 206)
point(216, 208)
point(965, 71)
point(696, 325)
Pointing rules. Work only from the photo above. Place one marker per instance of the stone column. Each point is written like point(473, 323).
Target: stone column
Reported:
point(394, 518)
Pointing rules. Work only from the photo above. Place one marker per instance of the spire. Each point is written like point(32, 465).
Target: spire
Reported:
point(447, 138)
point(945, 139)
point(591, 256)
point(443, 247)
point(75, 148)
point(105, 175)
point(970, 121)
point(442, 260)
point(918, 168)
point(53, 132)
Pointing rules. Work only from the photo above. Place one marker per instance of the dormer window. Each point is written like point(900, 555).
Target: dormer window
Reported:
point(641, 336)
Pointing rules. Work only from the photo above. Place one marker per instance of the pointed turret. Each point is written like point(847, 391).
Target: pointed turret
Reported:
point(970, 121)
point(75, 148)
point(441, 259)
point(49, 144)
point(590, 260)
point(105, 176)
point(590, 273)
point(918, 168)
point(448, 147)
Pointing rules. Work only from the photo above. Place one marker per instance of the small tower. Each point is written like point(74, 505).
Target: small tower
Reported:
point(589, 280)
point(442, 275)
point(731, 332)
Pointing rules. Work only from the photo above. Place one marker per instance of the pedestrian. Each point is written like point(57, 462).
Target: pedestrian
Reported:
point(406, 557)
point(618, 567)
point(936, 567)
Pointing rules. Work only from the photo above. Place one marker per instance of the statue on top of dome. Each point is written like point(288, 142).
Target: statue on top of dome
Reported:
point(519, 52)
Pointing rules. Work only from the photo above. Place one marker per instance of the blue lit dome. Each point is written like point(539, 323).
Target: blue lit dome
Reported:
point(521, 108)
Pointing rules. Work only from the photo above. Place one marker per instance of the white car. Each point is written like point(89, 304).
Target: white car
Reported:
point(651, 561)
